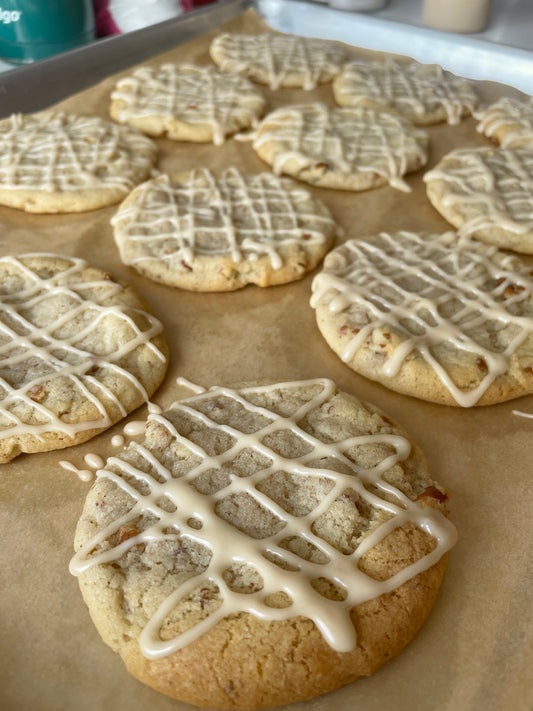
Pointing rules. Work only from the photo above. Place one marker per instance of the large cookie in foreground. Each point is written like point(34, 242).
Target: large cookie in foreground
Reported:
point(440, 318)
point(54, 162)
point(209, 232)
point(78, 352)
point(262, 545)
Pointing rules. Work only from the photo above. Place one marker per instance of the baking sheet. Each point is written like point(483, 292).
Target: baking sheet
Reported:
point(475, 653)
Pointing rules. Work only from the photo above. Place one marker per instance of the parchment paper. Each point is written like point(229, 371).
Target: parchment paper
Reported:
point(475, 653)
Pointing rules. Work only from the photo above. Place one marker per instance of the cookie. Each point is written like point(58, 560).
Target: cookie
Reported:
point(486, 193)
point(57, 162)
point(345, 149)
point(186, 102)
point(508, 122)
point(279, 61)
point(436, 317)
point(262, 545)
point(423, 93)
point(78, 352)
point(208, 233)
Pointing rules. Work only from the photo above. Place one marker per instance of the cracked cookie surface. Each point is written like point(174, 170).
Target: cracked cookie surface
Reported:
point(207, 232)
point(262, 545)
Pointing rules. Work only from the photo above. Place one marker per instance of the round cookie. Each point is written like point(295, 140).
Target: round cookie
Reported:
point(186, 102)
point(508, 122)
point(78, 352)
point(423, 93)
point(345, 149)
point(262, 545)
point(486, 193)
point(440, 318)
point(57, 162)
point(279, 61)
point(208, 233)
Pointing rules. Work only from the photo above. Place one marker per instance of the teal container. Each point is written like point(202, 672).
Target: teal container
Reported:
point(35, 29)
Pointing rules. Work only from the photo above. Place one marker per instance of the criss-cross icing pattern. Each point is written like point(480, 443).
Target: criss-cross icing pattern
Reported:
point(489, 188)
point(413, 89)
point(188, 94)
point(60, 152)
point(233, 216)
point(432, 291)
point(265, 418)
point(510, 120)
point(279, 56)
point(349, 140)
point(55, 326)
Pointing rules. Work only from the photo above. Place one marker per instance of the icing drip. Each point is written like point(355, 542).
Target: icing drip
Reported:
point(34, 354)
point(431, 291)
point(195, 514)
point(232, 216)
point(513, 118)
point(189, 94)
point(60, 152)
point(281, 56)
point(349, 140)
point(413, 90)
point(490, 188)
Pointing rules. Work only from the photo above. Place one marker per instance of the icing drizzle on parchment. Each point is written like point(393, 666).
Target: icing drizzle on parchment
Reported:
point(39, 343)
point(189, 94)
point(194, 514)
point(432, 290)
point(413, 89)
point(231, 216)
point(280, 56)
point(60, 152)
point(347, 140)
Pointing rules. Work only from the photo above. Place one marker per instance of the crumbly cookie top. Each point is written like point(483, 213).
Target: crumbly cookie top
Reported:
point(413, 89)
point(488, 187)
point(510, 120)
point(64, 322)
point(269, 496)
point(344, 139)
point(278, 56)
point(189, 93)
point(60, 152)
point(232, 216)
point(433, 295)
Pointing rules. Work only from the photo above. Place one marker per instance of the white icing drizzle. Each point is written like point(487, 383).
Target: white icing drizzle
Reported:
point(41, 353)
point(431, 290)
point(413, 89)
point(93, 460)
point(60, 152)
point(281, 56)
point(134, 428)
point(489, 188)
point(117, 441)
point(348, 141)
point(84, 474)
point(188, 94)
point(209, 529)
point(237, 217)
point(519, 413)
point(514, 118)
point(184, 383)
